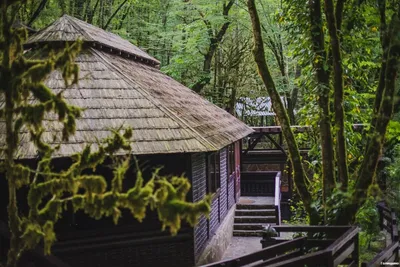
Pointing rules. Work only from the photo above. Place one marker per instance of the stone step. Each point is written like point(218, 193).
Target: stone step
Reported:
point(254, 207)
point(255, 213)
point(255, 219)
point(247, 233)
point(248, 226)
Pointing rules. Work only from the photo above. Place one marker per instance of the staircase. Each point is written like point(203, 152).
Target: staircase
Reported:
point(251, 218)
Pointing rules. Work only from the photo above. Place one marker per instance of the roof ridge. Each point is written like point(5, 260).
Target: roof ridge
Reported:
point(57, 31)
point(78, 28)
point(158, 104)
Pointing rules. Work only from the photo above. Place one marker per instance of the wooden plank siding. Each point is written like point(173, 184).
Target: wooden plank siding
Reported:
point(199, 189)
point(222, 201)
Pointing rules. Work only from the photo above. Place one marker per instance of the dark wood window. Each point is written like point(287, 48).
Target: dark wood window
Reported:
point(231, 159)
point(213, 175)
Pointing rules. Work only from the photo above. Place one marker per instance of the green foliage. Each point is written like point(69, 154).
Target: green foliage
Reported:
point(368, 219)
point(299, 214)
point(392, 195)
point(51, 192)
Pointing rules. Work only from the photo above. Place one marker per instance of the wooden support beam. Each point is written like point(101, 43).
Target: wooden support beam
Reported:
point(278, 146)
point(253, 144)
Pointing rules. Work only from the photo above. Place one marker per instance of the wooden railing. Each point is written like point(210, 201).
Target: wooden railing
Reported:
point(278, 198)
point(387, 223)
point(257, 183)
point(297, 128)
point(324, 245)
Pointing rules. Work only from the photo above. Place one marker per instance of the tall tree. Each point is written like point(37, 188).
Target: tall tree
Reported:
point(333, 20)
point(215, 38)
point(322, 77)
point(299, 174)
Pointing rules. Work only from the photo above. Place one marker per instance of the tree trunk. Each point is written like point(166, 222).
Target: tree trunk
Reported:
point(114, 14)
point(341, 153)
point(79, 9)
point(11, 138)
point(339, 15)
point(87, 10)
point(37, 12)
point(322, 75)
point(214, 42)
point(385, 39)
point(92, 12)
point(124, 16)
point(300, 178)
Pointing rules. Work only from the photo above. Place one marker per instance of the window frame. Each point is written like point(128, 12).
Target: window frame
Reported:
point(231, 160)
point(213, 177)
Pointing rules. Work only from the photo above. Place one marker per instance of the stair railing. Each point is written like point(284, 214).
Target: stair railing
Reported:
point(278, 198)
point(342, 250)
point(387, 223)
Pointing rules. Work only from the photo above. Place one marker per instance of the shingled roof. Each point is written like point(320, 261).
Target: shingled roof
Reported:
point(69, 29)
point(120, 85)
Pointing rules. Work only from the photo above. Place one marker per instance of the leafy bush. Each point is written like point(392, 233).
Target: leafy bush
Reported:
point(368, 219)
point(392, 193)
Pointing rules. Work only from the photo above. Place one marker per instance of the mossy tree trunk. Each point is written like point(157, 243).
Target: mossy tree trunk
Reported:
point(7, 84)
point(320, 64)
point(341, 154)
point(300, 177)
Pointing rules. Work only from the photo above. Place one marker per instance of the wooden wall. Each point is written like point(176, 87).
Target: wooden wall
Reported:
point(85, 242)
point(222, 202)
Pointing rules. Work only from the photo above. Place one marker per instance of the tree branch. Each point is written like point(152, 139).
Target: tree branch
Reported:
point(37, 12)
point(114, 14)
point(215, 40)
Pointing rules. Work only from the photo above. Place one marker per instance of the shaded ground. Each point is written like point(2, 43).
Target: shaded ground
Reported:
point(241, 246)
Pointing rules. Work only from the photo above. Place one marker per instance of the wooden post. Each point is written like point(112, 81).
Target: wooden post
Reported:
point(380, 216)
point(395, 231)
point(356, 254)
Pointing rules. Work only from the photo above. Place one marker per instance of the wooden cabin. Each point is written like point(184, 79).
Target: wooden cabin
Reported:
point(173, 127)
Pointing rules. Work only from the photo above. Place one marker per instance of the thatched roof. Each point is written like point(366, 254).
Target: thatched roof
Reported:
point(115, 90)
